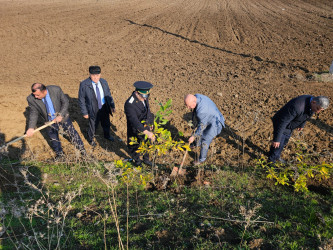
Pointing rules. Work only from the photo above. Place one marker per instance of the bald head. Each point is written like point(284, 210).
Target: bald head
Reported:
point(190, 101)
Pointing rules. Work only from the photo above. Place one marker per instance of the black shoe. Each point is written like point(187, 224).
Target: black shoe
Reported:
point(110, 138)
point(59, 158)
point(148, 163)
point(93, 143)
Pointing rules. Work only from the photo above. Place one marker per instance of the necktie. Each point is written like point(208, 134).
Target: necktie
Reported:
point(98, 94)
point(49, 115)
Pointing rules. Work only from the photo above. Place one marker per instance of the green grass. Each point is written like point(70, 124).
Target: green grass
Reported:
point(182, 216)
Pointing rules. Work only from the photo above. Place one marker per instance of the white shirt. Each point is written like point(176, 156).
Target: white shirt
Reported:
point(99, 85)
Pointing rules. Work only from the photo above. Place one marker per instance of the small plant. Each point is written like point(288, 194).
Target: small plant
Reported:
point(41, 219)
point(129, 176)
point(163, 138)
point(299, 173)
point(248, 214)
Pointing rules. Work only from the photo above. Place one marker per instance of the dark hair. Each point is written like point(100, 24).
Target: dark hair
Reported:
point(36, 86)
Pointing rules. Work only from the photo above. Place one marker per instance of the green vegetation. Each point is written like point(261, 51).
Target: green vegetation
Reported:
point(114, 205)
point(164, 142)
point(299, 173)
point(237, 209)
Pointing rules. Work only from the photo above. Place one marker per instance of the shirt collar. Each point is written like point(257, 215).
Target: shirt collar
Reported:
point(47, 96)
point(198, 101)
point(98, 83)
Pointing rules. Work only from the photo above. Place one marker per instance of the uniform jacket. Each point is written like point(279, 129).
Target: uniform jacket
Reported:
point(37, 106)
point(293, 115)
point(87, 98)
point(207, 114)
point(136, 112)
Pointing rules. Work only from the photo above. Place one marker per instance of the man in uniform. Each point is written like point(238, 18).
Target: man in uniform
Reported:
point(210, 122)
point(137, 110)
point(291, 116)
point(52, 105)
point(96, 103)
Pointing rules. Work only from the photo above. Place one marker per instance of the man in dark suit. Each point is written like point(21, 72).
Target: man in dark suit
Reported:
point(96, 103)
point(291, 116)
point(137, 110)
point(52, 105)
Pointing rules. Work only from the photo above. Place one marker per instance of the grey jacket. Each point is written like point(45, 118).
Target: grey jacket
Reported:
point(207, 114)
point(37, 106)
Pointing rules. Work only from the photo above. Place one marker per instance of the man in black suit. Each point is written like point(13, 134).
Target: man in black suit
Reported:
point(52, 105)
point(96, 103)
point(137, 110)
point(293, 115)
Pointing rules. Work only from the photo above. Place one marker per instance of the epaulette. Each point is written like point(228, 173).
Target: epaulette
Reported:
point(131, 100)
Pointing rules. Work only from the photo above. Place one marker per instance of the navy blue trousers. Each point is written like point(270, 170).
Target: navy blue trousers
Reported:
point(275, 153)
point(67, 126)
point(102, 117)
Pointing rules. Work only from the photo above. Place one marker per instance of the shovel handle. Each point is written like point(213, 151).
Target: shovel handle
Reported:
point(21, 137)
point(183, 161)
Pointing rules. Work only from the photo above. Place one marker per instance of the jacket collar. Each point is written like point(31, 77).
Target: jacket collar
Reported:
point(308, 109)
point(138, 101)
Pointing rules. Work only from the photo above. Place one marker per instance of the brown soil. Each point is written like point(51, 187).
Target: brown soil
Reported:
point(249, 57)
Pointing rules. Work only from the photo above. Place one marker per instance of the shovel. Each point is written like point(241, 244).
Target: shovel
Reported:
point(180, 171)
point(21, 137)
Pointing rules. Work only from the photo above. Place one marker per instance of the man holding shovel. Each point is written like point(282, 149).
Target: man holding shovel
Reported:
point(52, 105)
point(210, 122)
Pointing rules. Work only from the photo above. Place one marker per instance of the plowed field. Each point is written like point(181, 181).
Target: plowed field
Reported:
point(249, 57)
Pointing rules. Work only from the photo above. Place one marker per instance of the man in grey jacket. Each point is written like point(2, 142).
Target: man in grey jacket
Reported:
point(210, 122)
point(52, 105)
point(96, 103)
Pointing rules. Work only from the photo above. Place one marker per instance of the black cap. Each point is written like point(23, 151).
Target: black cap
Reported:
point(94, 70)
point(143, 86)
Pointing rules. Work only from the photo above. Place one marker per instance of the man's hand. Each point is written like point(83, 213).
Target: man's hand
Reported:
point(86, 116)
point(150, 135)
point(58, 119)
point(191, 139)
point(30, 132)
point(299, 129)
point(275, 144)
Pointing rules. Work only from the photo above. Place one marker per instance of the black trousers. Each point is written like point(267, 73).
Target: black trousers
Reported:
point(133, 148)
point(275, 153)
point(67, 126)
point(102, 117)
